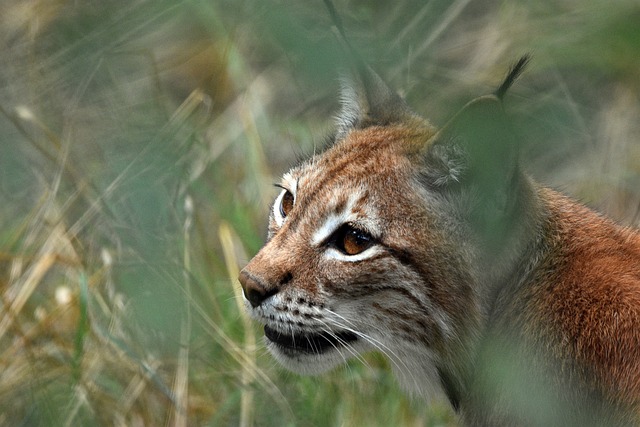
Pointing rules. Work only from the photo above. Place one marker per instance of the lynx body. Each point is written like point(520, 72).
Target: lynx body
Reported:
point(433, 247)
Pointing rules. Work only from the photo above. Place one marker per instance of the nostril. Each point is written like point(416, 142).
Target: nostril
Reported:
point(255, 296)
point(255, 290)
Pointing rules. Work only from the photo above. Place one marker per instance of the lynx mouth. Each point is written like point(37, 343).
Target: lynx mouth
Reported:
point(310, 343)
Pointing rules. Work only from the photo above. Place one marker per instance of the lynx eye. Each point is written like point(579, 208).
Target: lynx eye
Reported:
point(286, 203)
point(352, 241)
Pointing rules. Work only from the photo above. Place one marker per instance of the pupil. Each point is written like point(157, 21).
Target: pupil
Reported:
point(355, 242)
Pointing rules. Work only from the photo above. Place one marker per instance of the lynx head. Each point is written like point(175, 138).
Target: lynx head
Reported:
point(375, 243)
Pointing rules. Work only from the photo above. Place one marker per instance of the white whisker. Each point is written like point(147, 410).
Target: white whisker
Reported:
point(345, 345)
point(384, 349)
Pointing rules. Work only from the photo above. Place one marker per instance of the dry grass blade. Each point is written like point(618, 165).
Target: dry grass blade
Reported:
point(57, 247)
point(248, 370)
point(27, 287)
point(181, 380)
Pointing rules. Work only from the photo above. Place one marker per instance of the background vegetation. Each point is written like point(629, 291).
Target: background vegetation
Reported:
point(139, 141)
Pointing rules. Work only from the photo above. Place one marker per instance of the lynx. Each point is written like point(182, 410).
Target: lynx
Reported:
point(434, 247)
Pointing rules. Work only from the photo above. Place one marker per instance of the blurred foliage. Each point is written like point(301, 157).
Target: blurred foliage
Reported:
point(132, 133)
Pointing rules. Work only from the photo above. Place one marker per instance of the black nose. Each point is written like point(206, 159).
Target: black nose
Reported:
point(255, 290)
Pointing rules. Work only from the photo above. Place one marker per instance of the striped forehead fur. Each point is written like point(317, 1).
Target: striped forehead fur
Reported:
point(341, 211)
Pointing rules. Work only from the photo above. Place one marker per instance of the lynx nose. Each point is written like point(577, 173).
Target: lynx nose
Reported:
point(255, 290)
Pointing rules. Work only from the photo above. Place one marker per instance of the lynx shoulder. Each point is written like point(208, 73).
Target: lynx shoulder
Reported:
point(433, 247)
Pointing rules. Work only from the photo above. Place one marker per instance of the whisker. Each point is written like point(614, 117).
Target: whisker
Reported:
point(345, 345)
point(384, 349)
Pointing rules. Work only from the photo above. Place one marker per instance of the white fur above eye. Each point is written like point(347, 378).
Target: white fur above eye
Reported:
point(330, 225)
point(334, 220)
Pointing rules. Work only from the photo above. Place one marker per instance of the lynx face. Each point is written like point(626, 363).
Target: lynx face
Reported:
point(357, 260)
point(371, 243)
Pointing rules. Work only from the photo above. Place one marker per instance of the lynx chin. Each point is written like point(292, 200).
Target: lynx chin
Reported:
point(435, 248)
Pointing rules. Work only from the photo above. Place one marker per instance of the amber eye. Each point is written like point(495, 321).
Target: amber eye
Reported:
point(286, 204)
point(352, 241)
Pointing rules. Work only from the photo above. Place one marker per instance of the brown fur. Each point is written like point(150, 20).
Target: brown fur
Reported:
point(591, 292)
point(574, 318)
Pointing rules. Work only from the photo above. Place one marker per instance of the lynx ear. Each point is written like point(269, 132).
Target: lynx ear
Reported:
point(368, 101)
point(366, 98)
point(474, 160)
point(477, 147)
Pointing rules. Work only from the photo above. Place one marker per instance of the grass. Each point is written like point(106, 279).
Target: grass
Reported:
point(139, 142)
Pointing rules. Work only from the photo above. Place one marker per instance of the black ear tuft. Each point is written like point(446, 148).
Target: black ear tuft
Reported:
point(512, 76)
